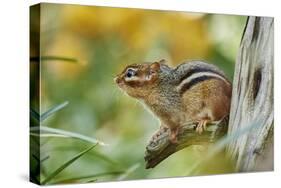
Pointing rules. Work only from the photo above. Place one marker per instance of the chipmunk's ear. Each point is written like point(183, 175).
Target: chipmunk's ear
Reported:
point(153, 72)
point(155, 66)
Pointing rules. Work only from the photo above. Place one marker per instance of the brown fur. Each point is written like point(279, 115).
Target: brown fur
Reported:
point(208, 100)
point(141, 87)
point(156, 85)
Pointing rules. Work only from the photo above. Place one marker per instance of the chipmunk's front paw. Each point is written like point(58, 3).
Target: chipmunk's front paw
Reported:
point(173, 139)
point(174, 135)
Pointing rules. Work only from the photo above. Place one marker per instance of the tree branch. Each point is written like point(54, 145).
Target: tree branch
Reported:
point(160, 148)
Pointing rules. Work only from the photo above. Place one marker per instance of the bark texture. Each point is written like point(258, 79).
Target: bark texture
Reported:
point(252, 98)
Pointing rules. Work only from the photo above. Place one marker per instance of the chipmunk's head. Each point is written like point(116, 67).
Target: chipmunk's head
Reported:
point(138, 80)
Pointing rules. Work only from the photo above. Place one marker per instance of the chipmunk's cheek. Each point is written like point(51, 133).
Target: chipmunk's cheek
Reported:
point(121, 85)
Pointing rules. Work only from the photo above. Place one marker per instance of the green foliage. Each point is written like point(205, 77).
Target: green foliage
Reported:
point(85, 179)
point(34, 115)
point(38, 131)
point(128, 172)
point(53, 58)
point(52, 111)
point(63, 134)
point(65, 165)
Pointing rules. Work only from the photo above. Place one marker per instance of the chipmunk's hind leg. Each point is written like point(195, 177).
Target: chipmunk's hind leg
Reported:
point(202, 125)
point(204, 117)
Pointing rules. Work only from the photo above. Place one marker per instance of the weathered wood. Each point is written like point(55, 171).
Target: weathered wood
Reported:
point(252, 98)
point(160, 148)
point(251, 105)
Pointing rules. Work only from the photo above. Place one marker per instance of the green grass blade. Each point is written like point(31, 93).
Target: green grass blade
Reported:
point(106, 158)
point(36, 158)
point(40, 160)
point(65, 165)
point(91, 181)
point(48, 135)
point(128, 172)
point(74, 179)
point(44, 159)
point(34, 114)
point(67, 134)
point(93, 152)
point(52, 111)
point(54, 58)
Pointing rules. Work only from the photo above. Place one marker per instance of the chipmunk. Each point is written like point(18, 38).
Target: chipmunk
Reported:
point(193, 91)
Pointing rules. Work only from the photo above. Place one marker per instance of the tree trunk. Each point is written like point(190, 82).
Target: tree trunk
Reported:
point(252, 98)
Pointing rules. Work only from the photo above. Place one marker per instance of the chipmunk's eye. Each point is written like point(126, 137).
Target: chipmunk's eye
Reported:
point(130, 73)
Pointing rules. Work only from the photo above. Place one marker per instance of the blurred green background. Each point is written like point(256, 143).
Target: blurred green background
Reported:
point(103, 41)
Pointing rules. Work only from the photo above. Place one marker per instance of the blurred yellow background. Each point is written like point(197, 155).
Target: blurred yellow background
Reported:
point(104, 40)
